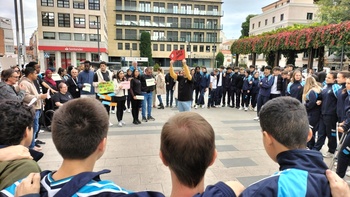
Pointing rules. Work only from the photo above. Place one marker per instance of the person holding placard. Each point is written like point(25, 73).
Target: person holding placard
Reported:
point(147, 87)
point(136, 95)
point(85, 79)
point(121, 92)
point(101, 77)
point(185, 86)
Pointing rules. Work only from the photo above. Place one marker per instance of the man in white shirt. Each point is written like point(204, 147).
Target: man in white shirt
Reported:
point(213, 88)
point(277, 86)
point(219, 88)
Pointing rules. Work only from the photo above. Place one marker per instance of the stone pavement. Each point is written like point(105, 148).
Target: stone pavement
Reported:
point(132, 151)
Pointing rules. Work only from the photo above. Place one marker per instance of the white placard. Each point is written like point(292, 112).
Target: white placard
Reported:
point(150, 82)
point(86, 87)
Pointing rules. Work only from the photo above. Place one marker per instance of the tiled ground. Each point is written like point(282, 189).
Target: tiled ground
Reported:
point(132, 152)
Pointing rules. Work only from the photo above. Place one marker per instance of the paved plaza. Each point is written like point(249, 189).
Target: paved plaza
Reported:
point(132, 152)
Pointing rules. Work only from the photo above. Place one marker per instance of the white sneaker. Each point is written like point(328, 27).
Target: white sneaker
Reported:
point(241, 108)
point(328, 155)
point(246, 109)
point(255, 108)
point(113, 112)
point(41, 131)
point(120, 124)
point(128, 110)
point(195, 106)
point(256, 118)
point(124, 111)
point(110, 124)
point(123, 123)
point(250, 108)
point(203, 106)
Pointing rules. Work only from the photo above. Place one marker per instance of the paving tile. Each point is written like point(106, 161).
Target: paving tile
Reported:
point(225, 148)
point(238, 162)
point(237, 121)
point(218, 137)
point(242, 128)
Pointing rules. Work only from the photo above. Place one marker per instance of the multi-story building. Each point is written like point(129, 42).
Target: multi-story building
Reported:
point(283, 13)
point(6, 37)
point(193, 25)
point(68, 32)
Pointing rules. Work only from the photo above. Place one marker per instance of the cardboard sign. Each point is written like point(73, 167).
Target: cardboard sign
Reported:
point(177, 55)
point(106, 87)
point(125, 84)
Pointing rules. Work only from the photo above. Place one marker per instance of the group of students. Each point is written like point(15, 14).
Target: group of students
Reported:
point(82, 141)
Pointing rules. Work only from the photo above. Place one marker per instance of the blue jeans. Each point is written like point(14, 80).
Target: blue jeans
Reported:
point(35, 127)
point(147, 102)
point(184, 106)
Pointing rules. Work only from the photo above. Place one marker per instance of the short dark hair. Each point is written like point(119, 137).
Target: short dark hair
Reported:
point(187, 143)
point(60, 70)
point(252, 66)
point(78, 127)
point(15, 117)
point(87, 62)
point(268, 67)
point(29, 70)
point(222, 67)
point(285, 119)
point(31, 64)
point(229, 68)
point(6, 74)
point(277, 68)
point(236, 68)
point(103, 62)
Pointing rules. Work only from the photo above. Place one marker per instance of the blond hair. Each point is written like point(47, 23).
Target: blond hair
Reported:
point(311, 84)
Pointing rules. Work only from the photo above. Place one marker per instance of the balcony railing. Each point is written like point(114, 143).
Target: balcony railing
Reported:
point(170, 11)
point(170, 39)
point(169, 25)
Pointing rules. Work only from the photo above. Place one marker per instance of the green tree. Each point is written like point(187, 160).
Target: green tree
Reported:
point(145, 48)
point(220, 59)
point(245, 26)
point(334, 11)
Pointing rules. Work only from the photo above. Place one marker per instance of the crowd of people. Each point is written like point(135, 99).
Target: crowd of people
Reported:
point(319, 101)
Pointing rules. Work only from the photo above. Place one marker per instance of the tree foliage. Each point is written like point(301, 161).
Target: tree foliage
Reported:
point(145, 47)
point(245, 26)
point(334, 11)
point(220, 59)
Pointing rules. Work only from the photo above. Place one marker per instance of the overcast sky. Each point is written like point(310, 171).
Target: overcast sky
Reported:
point(235, 12)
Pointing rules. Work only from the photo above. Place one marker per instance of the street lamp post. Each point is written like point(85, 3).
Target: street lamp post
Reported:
point(98, 39)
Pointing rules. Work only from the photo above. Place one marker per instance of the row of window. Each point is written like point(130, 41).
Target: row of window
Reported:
point(171, 36)
point(309, 16)
point(64, 20)
point(78, 4)
point(161, 7)
point(170, 21)
point(169, 47)
point(68, 36)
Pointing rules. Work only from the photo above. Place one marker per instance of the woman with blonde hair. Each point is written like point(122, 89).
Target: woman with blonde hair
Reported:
point(160, 87)
point(311, 94)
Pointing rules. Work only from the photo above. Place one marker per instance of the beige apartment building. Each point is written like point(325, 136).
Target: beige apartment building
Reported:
point(283, 13)
point(6, 37)
point(193, 25)
point(68, 32)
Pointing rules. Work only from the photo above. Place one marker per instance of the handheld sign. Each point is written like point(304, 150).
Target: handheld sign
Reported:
point(106, 87)
point(177, 55)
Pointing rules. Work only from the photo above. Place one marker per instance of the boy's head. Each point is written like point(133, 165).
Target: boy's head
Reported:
point(267, 70)
point(187, 146)
point(79, 128)
point(276, 71)
point(236, 69)
point(16, 123)
point(292, 130)
point(251, 68)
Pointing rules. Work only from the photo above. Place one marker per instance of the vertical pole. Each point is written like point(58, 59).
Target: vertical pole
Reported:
point(17, 34)
point(342, 58)
point(23, 35)
point(98, 39)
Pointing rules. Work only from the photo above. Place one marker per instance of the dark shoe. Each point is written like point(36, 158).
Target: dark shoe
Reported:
point(213, 106)
point(37, 145)
point(144, 119)
point(161, 106)
point(135, 122)
point(151, 118)
point(232, 106)
point(40, 142)
point(167, 106)
point(223, 105)
point(138, 121)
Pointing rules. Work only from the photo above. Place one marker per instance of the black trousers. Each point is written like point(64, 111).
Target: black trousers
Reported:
point(229, 94)
point(135, 105)
point(120, 109)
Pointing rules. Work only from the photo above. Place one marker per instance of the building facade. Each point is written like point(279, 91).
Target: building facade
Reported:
point(193, 25)
point(71, 31)
point(6, 38)
point(281, 14)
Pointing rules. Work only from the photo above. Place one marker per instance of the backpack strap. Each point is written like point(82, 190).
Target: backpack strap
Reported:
point(77, 182)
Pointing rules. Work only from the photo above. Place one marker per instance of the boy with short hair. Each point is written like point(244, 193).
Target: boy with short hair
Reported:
point(188, 159)
point(16, 128)
point(302, 171)
point(79, 132)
